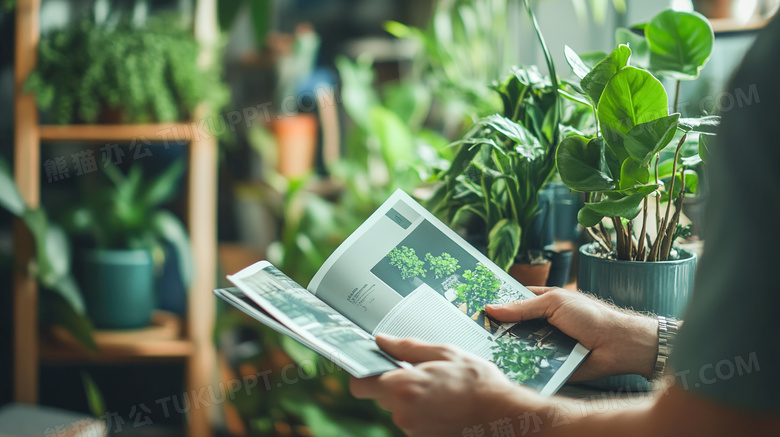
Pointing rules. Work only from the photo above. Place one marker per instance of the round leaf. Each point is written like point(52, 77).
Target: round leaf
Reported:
point(680, 43)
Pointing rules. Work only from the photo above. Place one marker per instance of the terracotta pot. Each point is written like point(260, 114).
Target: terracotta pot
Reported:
point(531, 274)
point(296, 136)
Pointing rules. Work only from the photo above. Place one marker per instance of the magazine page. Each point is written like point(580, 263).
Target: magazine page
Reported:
point(401, 248)
point(321, 327)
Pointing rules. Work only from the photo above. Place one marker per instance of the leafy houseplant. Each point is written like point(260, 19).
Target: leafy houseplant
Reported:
point(620, 168)
point(90, 72)
point(506, 158)
point(621, 171)
point(124, 228)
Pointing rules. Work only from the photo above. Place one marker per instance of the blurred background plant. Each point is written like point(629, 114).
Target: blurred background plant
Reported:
point(121, 69)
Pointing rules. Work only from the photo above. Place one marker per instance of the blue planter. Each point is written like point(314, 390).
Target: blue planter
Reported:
point(662, 288)
point(118, 287)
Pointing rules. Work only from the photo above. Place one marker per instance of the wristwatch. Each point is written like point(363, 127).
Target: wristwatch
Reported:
point(667, 331)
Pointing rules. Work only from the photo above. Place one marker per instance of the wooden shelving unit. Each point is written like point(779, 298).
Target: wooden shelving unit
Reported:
point(192, 341)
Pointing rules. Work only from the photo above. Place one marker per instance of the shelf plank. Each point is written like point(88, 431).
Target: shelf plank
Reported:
point(56, 352)
point(162, 339)
point(163, 132)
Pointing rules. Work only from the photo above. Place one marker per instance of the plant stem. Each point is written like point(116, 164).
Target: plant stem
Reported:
point(663, 230)
point(598, 239)
point(669, 237)
point(605, 235)
point(640, 251)
point(676, 96)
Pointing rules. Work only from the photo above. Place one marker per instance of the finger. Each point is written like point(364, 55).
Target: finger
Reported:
point(521, 310)
point(412, 351)
point(540, 290)
point(364, 388)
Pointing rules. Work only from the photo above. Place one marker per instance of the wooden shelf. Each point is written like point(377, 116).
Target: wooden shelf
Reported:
point(162, 339)
point(119, 132)
point(55, 352)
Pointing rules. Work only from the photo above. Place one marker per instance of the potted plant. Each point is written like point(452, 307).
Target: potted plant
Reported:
point(621, 172)
point(121, 231)
point(92, 72)
point(504, 161)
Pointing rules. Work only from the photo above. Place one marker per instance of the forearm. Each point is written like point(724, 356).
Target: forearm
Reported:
point(673, 413)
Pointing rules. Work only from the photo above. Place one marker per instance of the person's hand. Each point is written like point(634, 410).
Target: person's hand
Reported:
point(620, 342)
point(448, 391)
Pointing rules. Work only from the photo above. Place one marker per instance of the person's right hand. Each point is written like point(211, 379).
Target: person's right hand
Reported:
point(620, 341)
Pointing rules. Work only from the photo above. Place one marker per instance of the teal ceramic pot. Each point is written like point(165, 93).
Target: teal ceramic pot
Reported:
point(118, 287)
point(663, 288)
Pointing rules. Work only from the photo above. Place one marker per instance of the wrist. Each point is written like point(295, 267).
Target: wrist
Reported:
point(638, 351)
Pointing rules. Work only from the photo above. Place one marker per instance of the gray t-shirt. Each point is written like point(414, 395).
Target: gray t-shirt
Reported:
point(728, 349)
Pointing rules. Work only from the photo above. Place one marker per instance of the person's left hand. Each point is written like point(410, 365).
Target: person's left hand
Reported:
point(448, 391)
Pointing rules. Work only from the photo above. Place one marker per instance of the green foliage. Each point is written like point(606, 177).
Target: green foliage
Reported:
point(463, 49)
point(518, 361)
point(259, 12)
point(146, 74)
point(481, 288)
point(406, 260)
point(65, 305)
point(442, 266)
point(619, 167)
point(506, 158)
point(125, 212)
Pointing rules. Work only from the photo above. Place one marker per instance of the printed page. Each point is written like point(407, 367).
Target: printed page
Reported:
point(320, 326)
point(426, 315)
point(402, 247)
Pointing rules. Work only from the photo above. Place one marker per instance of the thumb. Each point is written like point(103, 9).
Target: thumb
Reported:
point(521, 310)
point(410, 350)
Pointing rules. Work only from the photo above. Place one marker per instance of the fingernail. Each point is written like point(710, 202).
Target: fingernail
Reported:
point(493, 306)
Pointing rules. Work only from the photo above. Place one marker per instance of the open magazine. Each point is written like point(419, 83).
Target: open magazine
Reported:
point(406, 274)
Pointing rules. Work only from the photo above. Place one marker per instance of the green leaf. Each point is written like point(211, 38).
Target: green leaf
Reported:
point(631, 97)
point(94, 399)
point(588, 217)
point(260, 11)
point(504, 242)
point(633, 173)
point(707, 125)
point(595, 81)
point(627, 207)
point(169, 228)
point(665, 169)
point(582, 164)
point(227, 11)
point(644, 140)
point(578, 67)
point(10, 198)
point(163, 187)
point(410, 101)
point(395, 138)
point(705, 140)
point(640, 49)
point(680, 43)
